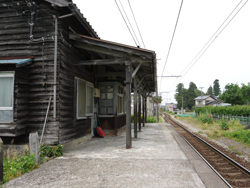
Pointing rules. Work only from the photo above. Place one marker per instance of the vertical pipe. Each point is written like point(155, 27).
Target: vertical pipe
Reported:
point(55, 67)
point(128, 104)
point(135, 108)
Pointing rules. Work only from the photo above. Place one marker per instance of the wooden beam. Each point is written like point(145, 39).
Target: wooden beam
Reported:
point(101, 62)
point(113, 46)
point(110, 52)
point(136, 69)
point(111, 74)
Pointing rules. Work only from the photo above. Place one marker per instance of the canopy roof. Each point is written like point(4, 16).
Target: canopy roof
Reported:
point(114, 55)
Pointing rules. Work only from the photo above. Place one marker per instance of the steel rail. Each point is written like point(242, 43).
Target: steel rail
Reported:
point(243, 169)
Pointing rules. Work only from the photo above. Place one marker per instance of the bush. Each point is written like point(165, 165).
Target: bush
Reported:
point(47, 151)
point(132, 118)
point(205, 118)
point(226, 110)
point(224, 124)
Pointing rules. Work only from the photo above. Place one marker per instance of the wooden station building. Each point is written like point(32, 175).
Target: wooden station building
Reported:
point(56, 71)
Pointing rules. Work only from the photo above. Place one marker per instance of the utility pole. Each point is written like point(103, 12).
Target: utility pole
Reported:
point(182, 105)
point(201, 94)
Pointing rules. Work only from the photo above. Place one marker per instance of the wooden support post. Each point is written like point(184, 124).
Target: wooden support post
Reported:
point(143, 108)
point(139, 96)
point(1, 161)
point(128, 104)
point(146, 110)
point(116, 123)
point(135, 108)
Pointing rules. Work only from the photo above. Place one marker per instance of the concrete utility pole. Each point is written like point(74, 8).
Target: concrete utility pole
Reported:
point(201, 93)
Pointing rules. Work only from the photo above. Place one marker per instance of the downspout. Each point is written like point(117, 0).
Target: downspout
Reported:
point(55, 66)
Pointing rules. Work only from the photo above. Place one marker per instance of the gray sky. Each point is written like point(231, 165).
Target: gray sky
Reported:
point(227, 59)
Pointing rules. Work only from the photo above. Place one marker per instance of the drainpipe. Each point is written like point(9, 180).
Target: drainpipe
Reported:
point(55, 66)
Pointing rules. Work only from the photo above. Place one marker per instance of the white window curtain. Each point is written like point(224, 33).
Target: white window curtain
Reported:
point(81, 101)
point(85, 99)
point(89, 100)
point(6, 92)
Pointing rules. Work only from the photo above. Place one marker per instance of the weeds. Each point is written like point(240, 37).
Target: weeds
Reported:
point(47, 152)
point(224, 125)
point(17, 166)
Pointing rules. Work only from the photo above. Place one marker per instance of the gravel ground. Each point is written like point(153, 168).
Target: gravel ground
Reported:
point(155, 160)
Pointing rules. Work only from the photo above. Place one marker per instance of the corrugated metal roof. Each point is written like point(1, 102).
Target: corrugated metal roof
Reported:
point(17, 62)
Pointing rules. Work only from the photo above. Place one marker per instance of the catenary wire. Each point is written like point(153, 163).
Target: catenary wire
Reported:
point(212, 37)
point(130, 24)
point(125, 22)
point(136, 24)
point(171, 41)
point(200, 54)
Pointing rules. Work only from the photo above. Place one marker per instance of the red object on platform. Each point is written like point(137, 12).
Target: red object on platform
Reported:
point(100, 132)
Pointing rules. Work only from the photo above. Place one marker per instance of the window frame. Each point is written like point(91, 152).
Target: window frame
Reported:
point(12, 75)
point(86, 84)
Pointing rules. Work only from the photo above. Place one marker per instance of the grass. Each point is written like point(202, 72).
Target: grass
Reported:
point(229, 129)
point(150, 119)
point(14, 167)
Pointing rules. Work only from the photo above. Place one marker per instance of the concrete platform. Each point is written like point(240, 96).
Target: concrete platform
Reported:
point(159, 158)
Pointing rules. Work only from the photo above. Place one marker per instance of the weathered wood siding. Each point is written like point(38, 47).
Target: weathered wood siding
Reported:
point(70, 127)
point(33, 83)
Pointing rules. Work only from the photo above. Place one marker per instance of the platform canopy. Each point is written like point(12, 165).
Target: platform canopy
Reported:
point(112, 56)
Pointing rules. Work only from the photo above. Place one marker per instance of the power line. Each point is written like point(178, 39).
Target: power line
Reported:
point(172, 40)
point(165, 70)
point(136, 24)
point(130, 24)
point(215, 38)
point(206, 46)
point(212, 36)
point(125, 23)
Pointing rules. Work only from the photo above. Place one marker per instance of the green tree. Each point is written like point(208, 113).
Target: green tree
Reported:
point(179, 93)
point(210, 91)
point(191, 95)
point(232, 94)
point(245, 93)
point(216, 87)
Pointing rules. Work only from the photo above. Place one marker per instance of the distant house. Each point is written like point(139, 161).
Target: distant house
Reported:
point(171, 107)
point(205, 100)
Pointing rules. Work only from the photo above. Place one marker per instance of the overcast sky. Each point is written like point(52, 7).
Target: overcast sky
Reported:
point(227, 59)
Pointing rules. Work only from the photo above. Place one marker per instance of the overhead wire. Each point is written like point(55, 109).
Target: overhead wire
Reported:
point(212, 36)
point(171, 41)
point(126, 23)
point(206, 46)
point(165, 70)
point(130, 24)
point(136, 24)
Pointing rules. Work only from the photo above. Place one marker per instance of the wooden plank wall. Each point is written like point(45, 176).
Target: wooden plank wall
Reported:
point(70, 127)
point(34, 91)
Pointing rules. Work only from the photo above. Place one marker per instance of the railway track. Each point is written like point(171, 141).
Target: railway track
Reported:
point(232, 173)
